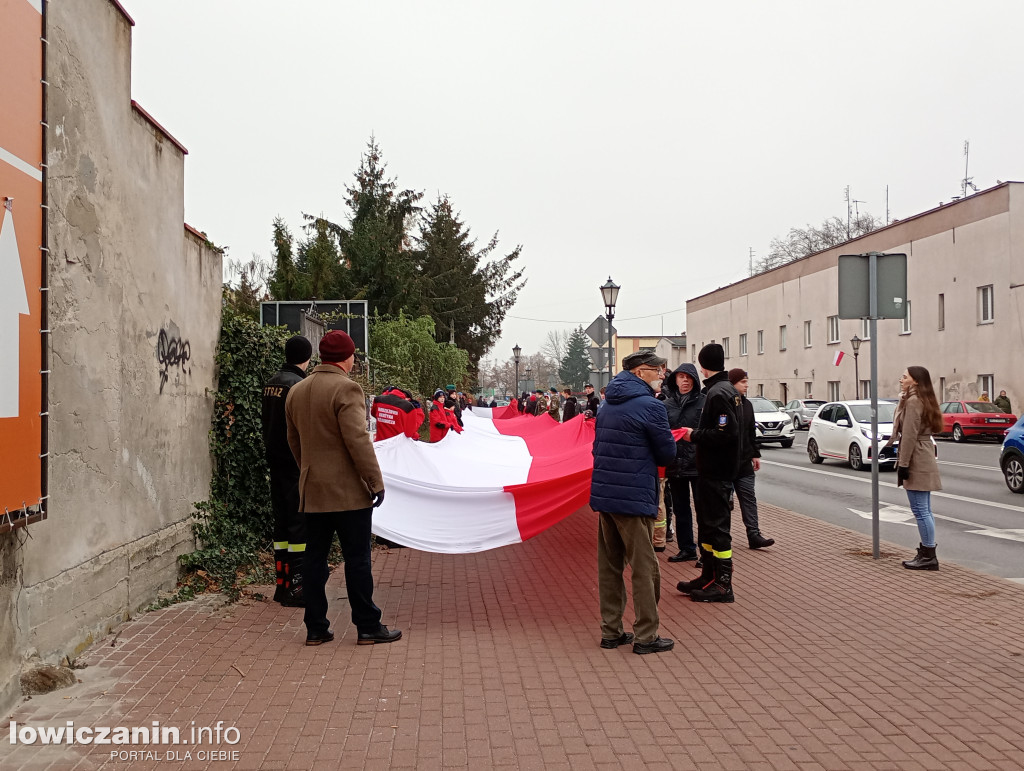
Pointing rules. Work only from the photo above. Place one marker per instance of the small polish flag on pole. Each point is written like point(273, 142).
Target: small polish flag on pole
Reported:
point(837, 358)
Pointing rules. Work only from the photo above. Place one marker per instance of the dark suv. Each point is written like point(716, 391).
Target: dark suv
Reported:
point(1011, 459)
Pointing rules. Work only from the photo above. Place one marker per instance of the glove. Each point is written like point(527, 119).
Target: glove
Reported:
point(378, 498)
point(902, 474)
point(588, 414)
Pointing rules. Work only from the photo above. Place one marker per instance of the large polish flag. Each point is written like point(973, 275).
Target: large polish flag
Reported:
point(504, 479)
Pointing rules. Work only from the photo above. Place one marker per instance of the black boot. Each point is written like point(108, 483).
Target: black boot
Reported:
point(293, 597)
point(706, 577)
point(721, 589)
point(758, 541)
point(925, 559)
point(280, 560)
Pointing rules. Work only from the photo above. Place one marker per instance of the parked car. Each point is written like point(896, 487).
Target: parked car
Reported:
point(770, 425)
point(800, 411)
point(964, 420)
point(1011, 459)
point(778, 404)
point(842, 430)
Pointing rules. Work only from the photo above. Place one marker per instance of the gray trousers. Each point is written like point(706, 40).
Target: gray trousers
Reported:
point(744, 487)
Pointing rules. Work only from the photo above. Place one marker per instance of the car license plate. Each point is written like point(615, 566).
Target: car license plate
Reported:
point(768, 431)
point(997, 420)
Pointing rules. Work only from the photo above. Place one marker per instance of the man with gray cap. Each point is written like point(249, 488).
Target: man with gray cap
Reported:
point(632, 439)
point(340, 484)
point(717, 438)
point(289, 524)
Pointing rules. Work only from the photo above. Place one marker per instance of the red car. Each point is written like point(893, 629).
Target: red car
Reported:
point(964, 420)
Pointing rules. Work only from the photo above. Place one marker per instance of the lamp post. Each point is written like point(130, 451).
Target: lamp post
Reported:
point(855, 342)
point(516, 350)
point(609, 294)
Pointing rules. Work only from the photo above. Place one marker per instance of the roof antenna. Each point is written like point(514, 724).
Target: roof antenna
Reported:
point(967, 182)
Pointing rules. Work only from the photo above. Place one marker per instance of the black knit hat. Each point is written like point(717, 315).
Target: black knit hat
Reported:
point(712, 357)
point(297, 350)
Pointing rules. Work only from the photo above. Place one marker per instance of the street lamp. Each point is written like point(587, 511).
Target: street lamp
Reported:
point(610, 293)
point(855, 342)
point(515, 355)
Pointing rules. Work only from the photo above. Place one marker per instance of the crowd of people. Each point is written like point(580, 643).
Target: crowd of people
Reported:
point(663, 441)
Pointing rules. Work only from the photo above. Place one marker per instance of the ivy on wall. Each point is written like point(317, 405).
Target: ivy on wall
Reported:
point(234, 527)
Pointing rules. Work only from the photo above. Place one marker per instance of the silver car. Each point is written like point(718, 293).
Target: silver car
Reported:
point(801, 411)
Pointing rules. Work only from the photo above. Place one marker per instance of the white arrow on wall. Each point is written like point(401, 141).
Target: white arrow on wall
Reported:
point(13, 303)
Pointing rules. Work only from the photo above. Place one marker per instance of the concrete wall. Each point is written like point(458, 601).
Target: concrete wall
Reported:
point(951, 251)
point(135, 314)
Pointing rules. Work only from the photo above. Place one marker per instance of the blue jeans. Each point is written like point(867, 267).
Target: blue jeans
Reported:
point(921, 505)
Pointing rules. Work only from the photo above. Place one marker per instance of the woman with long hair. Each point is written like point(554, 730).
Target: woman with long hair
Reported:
point(917, 418)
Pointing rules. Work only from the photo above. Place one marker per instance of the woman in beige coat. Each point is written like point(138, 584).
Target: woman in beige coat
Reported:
point(917, 418)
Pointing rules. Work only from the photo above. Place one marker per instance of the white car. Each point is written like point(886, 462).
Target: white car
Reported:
point(842, 430)
point(770, 425)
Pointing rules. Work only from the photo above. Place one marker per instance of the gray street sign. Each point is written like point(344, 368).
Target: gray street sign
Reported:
point(855, 289)
point(598, 330)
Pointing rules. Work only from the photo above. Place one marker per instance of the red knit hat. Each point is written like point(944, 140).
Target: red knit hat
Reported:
point(336, 346)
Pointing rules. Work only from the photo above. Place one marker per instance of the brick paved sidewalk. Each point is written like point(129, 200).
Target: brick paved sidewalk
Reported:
point(828, 659)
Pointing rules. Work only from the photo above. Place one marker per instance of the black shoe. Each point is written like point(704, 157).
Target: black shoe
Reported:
point(670, 534)
point(320, 638)
point(657, 645)
point(758, 541)
point(683, 556)
point(623, 639)
point(925, 559)
point(382, 635)
point(293, 599)
point(659, 549)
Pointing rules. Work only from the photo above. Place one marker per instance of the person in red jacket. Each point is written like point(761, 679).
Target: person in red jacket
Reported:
point(442, 419)
point(396, 412)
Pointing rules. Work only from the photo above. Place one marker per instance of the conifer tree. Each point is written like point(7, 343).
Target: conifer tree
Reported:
point(574, 369)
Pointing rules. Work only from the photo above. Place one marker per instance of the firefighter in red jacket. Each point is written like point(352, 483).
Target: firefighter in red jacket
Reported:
point(396, 412)
point(442, 419)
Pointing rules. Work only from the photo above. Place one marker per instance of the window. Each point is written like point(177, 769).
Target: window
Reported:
point(942, 312)
point(942, 384)
point(743, 344)
point(828, 412)
point(833, 390)
point(833, 329)
point(865, 389)
point(725, 346)
point(954, 408)
point(865, 329)
point(782, 337)
point(906, 321)
point(783, 392)
point(986, 385)
point(760, 341)
point(807, 334)
point(986, 313)
point(760, 389)
point(808, 390)
point(841, 413)
point(693, 354)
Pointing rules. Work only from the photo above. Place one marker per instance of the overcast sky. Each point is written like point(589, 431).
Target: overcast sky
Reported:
point(656, 142)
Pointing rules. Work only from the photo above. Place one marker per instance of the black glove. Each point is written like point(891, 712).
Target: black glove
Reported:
point(902, 474)
point(378, 498)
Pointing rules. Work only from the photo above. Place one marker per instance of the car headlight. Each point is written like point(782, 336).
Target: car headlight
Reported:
point(867, 433)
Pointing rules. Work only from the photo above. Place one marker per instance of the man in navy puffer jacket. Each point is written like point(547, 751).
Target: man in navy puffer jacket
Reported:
point(632, 439)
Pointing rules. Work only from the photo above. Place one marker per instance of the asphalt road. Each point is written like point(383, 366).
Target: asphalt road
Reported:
point(979, 522)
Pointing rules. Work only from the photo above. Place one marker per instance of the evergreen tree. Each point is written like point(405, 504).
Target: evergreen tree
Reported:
point(574, 369)
point(466, 292)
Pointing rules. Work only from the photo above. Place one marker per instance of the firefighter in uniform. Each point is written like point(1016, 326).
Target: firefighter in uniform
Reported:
point(289, 524)
point(717, 438)
point(396, 412)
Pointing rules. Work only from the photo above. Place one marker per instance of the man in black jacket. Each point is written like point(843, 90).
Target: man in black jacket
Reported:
point(717, 438)
point(750, 462)
point(684, 402)
point(289, 524)
point(593, 402)
point(571, 407)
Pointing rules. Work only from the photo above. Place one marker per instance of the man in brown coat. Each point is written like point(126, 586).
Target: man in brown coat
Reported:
point(339, 486)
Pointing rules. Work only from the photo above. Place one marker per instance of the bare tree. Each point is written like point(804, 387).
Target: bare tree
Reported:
point(800, 242)
point(555, 344)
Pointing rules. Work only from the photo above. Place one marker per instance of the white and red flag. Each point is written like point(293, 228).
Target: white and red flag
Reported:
point(505, 479)
point(837, 358)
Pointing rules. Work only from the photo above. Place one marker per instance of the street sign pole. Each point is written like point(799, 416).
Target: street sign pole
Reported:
point(873, 326)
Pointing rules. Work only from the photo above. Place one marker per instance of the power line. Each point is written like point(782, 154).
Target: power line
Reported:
point(567, 321)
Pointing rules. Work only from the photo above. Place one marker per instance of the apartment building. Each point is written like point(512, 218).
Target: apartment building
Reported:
point(965, 320)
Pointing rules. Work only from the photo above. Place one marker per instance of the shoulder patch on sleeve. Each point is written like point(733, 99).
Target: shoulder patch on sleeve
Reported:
point(723, 420)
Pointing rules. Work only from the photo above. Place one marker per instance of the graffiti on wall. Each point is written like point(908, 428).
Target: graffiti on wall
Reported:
point(172, 354)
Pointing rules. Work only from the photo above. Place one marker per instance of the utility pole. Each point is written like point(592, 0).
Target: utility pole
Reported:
point(847, 194)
